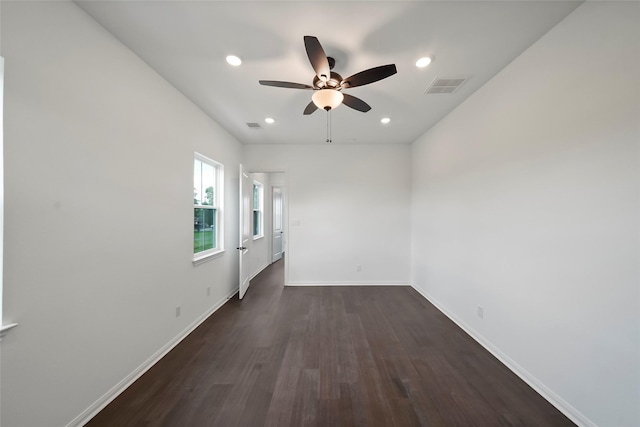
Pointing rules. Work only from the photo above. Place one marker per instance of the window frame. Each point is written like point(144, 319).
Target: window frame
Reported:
point(259, 209)
point(217, 207)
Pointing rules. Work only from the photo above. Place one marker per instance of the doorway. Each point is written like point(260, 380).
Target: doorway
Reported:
point(263, 224)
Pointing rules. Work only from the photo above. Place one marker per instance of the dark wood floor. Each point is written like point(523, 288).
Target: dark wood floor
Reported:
point(328, 356)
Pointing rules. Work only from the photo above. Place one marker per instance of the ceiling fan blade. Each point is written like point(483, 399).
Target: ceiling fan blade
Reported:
point(310, 108)
point(317, 57)
point(355, 103)
point(369, 76)
point(287, 85)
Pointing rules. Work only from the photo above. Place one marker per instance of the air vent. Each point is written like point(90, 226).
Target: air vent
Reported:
point(445, 85)
point(254, 125)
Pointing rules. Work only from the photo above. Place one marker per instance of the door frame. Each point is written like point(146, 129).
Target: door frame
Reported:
point(285, 207)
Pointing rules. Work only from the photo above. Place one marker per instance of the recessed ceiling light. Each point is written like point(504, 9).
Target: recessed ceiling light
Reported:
point(270, 120)
point(385, 120)
point(423, 62)
point(234, 60)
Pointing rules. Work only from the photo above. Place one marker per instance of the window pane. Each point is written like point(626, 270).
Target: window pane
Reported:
point(198, 235)
point(197, 181)
point(255, 197)
point(204, 229)
point(256, 223)
point(207, 184)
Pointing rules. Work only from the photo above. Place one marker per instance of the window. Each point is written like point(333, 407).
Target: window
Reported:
point(207, 207)
point(258, 191)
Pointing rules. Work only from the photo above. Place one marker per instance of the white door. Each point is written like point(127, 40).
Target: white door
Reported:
point(278, 229)
point(245, 231)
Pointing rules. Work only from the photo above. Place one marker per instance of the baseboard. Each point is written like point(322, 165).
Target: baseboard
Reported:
point(345, 284)
point(259, 270)
point(115, 391)
point(572, 413)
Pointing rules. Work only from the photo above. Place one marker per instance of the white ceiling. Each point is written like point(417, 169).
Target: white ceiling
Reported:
point(187, 41)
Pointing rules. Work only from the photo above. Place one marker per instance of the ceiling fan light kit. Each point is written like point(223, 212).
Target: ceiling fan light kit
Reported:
point(327, 99)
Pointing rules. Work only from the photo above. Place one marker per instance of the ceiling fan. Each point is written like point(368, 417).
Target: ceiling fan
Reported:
point(328, 85)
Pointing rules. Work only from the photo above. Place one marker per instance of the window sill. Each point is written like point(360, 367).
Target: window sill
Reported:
point(199, 259)
point(258, 237)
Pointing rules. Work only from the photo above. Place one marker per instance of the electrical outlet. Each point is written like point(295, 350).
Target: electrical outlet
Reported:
point(178, 311)
point(209, 291)
point(480, 312)
point(358, 268)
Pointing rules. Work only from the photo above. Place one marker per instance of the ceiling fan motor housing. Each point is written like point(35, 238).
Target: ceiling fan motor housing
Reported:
point(333, 82)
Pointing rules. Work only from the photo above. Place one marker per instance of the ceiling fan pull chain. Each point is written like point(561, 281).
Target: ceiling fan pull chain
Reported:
point(328, 126)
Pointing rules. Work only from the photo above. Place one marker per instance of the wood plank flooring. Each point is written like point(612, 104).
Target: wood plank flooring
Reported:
point(328, 356)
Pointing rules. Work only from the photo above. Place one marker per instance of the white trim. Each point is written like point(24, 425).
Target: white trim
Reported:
point(204, 257)
point(346, 284)
point(206, 159)
point(218, 207)
point(116, 390)
point(563, 406)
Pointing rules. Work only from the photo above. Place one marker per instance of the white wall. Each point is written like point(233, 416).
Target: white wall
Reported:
point(98, 237)
point(278, 179)
point(348, 206)
point(526, 202)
